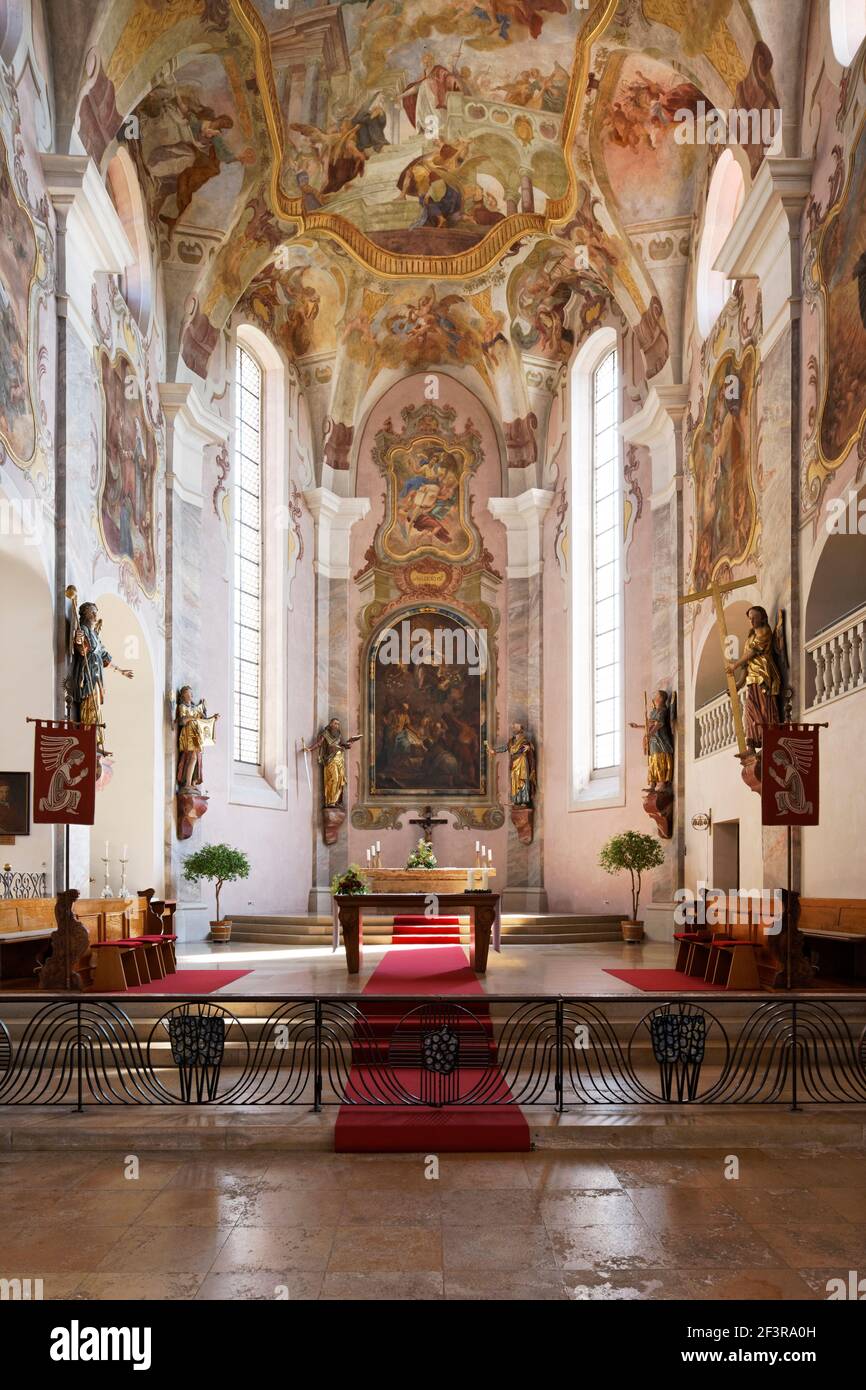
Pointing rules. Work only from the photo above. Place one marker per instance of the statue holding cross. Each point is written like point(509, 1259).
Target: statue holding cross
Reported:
point(760, 661)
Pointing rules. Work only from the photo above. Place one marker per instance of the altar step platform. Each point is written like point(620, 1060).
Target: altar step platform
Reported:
point(518, 929)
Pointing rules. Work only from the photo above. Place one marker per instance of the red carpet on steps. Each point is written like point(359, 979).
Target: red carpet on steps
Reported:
point(661, 981)
point(426, 931)
point(190, 982)
point(501, 1127)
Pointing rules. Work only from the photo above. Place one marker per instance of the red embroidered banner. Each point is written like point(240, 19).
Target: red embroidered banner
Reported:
point(789, 775)
point(64, 773)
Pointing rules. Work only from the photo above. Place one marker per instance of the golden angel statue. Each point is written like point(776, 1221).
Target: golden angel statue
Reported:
point(196, 731)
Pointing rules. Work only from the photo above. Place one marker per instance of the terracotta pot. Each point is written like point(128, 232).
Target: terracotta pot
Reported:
point(221, 931)
point(632, 932)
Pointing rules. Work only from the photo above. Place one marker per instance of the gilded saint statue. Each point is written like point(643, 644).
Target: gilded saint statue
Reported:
point(89, 661)
point(658, 741)
point(332, 749)
point(761, 664)
point(521, 759)
point(195, 731)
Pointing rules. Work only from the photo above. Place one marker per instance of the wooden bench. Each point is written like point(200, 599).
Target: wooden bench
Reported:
point(834, 933)
point(131, 940)
point(729, 952)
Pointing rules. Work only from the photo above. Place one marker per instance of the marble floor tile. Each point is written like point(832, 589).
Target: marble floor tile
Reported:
point(164, 1250)
point(252, 1249)
point(358, 1249)
point(295, 1285)
point(375, 1286)
point(604, 1283)
point(830, 1247)
point(518, 1248)
point(504, 1285)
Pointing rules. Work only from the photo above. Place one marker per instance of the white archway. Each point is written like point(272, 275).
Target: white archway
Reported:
point(129, 808)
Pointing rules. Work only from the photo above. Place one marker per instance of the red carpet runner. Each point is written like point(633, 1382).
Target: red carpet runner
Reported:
point(381, 1128)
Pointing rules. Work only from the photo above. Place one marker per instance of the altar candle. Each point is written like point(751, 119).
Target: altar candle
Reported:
point(106, 849)
point(125, 854)
point(378, 846)
point(477, 846)
point(490, 856)
point(368, 859)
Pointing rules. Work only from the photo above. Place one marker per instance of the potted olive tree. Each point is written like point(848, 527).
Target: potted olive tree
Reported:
point(637, 853)
point(220, 864)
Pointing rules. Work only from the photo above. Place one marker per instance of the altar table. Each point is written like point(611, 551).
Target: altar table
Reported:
point(482, 909)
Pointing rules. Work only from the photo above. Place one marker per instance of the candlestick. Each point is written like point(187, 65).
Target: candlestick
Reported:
point(124, 891)
point(477, 853)
point(106, 887)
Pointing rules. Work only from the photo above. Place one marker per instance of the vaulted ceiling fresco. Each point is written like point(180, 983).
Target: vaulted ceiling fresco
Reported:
point(405, 182)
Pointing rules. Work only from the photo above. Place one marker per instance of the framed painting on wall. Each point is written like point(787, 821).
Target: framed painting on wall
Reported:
point(14, 803)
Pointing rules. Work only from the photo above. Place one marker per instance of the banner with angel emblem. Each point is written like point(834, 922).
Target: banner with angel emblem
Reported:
point(789, 782)
point(64, 773)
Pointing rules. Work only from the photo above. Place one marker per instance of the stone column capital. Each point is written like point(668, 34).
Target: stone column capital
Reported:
point(334, 518)
point(523, 519)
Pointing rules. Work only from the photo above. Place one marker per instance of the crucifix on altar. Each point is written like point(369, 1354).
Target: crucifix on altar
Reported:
point(715, 592)
point(427, 820)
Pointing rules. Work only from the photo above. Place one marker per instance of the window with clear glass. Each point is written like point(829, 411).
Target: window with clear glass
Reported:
point(606, 569)
point(248, 560)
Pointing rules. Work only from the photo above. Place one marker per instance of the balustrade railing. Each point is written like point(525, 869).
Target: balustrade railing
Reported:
point(714, 725)
point(836, 661)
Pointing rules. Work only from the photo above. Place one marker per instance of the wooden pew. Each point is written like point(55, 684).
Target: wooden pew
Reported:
point(131, 942)
point(834, 934)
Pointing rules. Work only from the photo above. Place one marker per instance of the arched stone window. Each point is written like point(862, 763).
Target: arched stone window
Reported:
point(726, 195)
point(596, 572)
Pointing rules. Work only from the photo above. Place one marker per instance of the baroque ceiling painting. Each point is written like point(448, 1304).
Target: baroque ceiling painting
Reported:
point(841, 272)
point(19, 261)
point(424, 128)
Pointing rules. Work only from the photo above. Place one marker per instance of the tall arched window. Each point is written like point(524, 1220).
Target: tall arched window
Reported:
point(596, 575)
point(606, 569)
point(248, 559)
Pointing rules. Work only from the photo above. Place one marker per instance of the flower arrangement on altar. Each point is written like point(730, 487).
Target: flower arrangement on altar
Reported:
point(422, 857)
point(350, 882)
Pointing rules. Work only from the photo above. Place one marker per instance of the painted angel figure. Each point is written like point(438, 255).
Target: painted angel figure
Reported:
point(794, 757)
point(62, 757)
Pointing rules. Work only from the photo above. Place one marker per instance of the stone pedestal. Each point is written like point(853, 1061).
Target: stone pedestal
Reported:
point(191, 806)
point(658, 803)
point(332, 818)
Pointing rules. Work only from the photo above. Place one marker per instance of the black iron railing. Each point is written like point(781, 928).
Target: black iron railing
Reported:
point(15, 884)
point(370, 1050)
